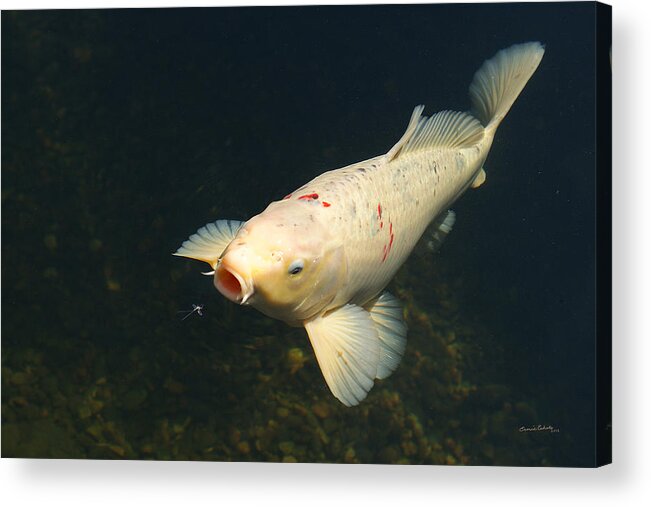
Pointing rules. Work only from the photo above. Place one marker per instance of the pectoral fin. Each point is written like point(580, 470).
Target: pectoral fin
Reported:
point(347, 349)
point(386, 313)
point(437, 232)
point(208, 243)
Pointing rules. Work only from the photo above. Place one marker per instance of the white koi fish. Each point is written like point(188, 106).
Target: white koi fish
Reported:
point(322, 256)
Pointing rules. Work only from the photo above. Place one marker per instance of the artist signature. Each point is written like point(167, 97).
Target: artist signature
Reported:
point(539, 427)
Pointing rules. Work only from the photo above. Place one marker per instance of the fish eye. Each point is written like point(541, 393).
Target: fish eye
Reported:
point(296, 267)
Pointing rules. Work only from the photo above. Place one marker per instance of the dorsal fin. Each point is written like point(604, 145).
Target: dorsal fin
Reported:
point(449, 129)
point(411, 127)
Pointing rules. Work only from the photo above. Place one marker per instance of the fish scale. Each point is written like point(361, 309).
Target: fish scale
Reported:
point(411, 191)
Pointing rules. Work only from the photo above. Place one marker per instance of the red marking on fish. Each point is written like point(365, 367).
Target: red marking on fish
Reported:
point(381, 225)
point(287, 196)
point(309, 196)
point(326, 204)
point(387, 248)
point(379, 210)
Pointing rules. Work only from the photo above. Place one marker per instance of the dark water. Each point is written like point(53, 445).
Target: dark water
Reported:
point(125, 131)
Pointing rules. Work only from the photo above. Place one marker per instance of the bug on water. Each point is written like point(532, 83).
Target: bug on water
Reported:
point(195, 309)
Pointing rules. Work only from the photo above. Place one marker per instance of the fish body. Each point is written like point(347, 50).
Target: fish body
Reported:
point(382, 207)
point(322, 256)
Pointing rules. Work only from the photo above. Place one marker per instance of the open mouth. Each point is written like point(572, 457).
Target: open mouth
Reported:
point(232, 285)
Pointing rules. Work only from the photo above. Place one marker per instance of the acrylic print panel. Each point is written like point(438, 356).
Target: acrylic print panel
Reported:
point(125, 131)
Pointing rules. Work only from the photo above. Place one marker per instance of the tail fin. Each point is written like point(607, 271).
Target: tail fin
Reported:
point(500, 80)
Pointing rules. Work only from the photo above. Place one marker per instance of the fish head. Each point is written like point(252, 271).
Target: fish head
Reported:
point(284, 263)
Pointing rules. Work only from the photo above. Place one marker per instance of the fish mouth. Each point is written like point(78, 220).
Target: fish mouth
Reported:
point(232, 285)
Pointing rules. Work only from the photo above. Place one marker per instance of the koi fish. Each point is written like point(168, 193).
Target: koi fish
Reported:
point(321, 257)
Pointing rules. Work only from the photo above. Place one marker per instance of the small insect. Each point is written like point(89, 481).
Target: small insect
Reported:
point(195, 309)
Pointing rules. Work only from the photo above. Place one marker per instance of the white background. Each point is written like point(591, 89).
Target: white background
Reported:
point(626, 482)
